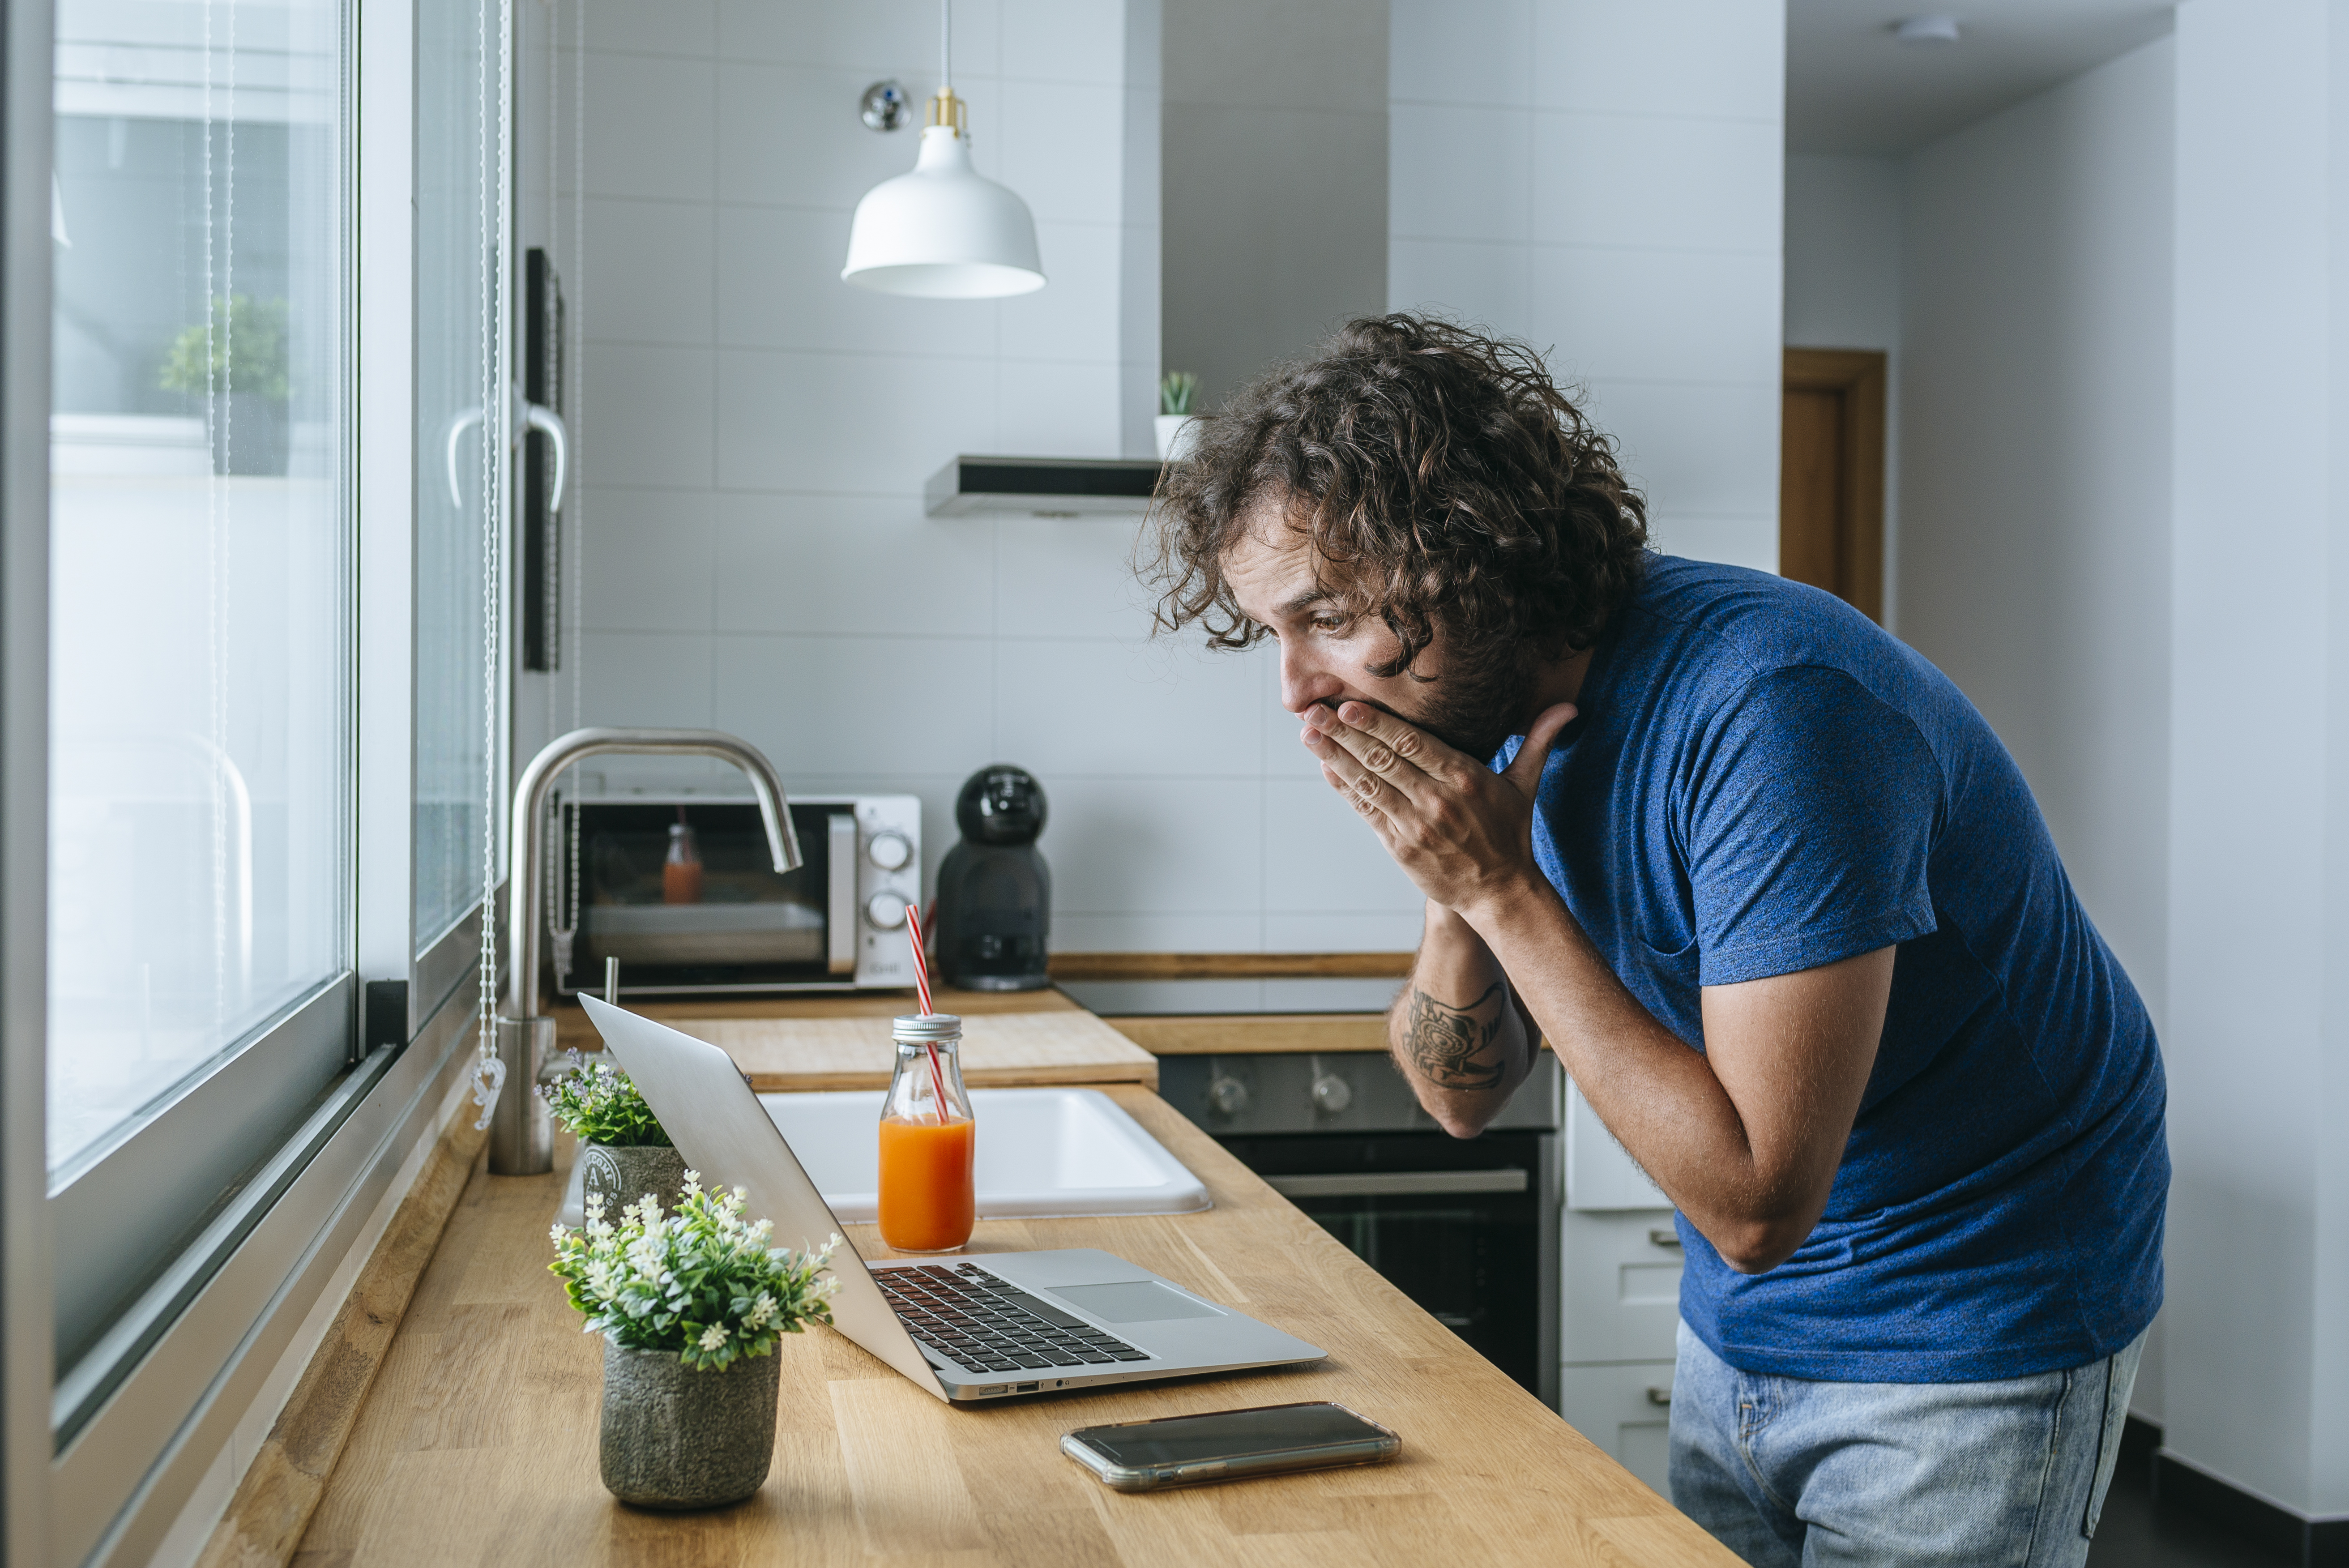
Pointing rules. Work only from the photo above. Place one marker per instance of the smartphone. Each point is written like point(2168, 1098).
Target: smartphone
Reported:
point(1224, 1445)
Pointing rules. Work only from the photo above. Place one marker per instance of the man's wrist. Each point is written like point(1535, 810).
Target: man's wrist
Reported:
point(1510, 904)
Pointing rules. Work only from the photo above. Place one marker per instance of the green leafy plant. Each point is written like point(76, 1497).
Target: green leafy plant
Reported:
point(599, 1105)
point(241, 350)
point(1175, 389)
point(700, 1283)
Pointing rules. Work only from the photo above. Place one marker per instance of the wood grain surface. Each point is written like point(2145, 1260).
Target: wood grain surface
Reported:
point(478, 1445)
point(281, 1488)
point(572, 1032)
point(999, 1051)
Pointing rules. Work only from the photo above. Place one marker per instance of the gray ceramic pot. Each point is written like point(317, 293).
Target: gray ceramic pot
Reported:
point(675, 1438)
point(622, 1174)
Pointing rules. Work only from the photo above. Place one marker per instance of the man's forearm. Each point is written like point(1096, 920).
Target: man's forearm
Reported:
point(1661, 1098)
point(1455, 1029)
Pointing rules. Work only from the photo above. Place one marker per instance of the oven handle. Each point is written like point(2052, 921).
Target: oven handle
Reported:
point(840, 893)
point(1399, 1183)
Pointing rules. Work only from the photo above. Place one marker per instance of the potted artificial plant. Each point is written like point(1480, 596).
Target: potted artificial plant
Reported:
point(624, 1154)
point(1176, 391)
point(236, 362)
point(690, 1306)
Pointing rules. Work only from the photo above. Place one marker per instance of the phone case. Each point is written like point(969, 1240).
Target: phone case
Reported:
point(1366, 1450)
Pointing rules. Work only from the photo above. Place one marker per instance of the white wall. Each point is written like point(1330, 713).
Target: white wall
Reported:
point(755, 435)
point(2035, 451)
point(1603, 179)
point(1843, 291)
point(2258, 753)
point(1843, 251)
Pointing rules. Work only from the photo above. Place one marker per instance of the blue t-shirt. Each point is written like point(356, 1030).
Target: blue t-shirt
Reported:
point(1762, 781)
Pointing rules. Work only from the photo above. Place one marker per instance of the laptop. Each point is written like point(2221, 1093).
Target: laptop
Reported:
point(964, 1328)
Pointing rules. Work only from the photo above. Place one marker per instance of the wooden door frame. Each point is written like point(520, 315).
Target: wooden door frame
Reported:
point(1858, 376)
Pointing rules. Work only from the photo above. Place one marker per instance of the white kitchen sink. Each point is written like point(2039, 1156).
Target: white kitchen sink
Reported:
point(1042, 1153)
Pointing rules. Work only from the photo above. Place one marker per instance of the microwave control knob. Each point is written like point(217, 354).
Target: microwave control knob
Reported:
point(884, 911)
point(1333, 1093)
point(889, 851)
point(1229, 1095)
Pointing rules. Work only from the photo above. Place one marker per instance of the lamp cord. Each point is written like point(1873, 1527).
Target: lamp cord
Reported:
point(946, 43)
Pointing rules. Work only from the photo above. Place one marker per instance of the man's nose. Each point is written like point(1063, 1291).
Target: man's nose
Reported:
point(1302, 685)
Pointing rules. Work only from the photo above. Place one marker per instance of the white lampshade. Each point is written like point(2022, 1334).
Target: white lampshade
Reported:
point(943, 232)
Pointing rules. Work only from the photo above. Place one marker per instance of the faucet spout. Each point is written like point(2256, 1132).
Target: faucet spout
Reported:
point(522, 1138)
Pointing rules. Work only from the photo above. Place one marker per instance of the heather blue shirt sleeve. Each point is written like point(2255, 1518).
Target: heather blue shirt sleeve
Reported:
point(1809, 811)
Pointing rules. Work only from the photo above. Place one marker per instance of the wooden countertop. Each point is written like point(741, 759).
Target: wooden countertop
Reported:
point(478, 1441)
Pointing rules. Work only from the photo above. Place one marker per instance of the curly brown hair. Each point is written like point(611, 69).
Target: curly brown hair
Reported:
point(1439, 475)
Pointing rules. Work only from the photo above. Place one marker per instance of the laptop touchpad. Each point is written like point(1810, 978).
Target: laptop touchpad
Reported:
point(1141, 1301)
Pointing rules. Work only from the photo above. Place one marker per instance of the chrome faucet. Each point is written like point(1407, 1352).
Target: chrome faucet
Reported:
point(522, 1130)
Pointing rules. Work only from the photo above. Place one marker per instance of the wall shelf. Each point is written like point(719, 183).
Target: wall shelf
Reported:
point(1048, 486)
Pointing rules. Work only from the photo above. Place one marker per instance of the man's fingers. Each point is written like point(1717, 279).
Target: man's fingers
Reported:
point(1365, 793)
point(1525, 769)
point(1387, 746)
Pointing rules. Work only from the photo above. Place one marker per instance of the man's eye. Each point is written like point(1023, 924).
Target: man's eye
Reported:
point(1328, 623)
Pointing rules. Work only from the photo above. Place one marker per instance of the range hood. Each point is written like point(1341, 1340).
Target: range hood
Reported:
point(1048, 486)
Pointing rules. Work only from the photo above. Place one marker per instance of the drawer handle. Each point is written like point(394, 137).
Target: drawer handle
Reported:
point(1398, 1183)
point(1664, 1236)
point(1660, 1397)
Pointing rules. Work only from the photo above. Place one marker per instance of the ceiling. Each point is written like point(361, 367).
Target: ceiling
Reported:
point(1852, 87)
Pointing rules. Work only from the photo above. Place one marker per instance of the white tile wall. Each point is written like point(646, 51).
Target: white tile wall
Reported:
point(1605, 180)
point(757, 435)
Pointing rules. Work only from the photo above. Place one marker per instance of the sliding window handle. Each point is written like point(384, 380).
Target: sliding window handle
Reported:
point(534, 417)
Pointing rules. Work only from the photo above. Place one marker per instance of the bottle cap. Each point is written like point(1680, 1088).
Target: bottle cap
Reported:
point(920, 1026)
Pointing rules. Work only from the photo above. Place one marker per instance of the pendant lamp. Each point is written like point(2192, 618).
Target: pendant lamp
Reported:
point(945, 231)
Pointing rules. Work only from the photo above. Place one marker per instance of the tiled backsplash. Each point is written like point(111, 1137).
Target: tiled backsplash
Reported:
point(753, 434)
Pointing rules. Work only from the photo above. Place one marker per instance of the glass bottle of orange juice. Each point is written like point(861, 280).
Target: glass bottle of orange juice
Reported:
point(927, 1141)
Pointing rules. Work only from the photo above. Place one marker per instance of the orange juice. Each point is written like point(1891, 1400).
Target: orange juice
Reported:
point(928, 1200)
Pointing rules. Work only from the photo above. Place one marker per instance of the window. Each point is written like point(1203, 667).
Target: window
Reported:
point(200, 719)
point(232, 835)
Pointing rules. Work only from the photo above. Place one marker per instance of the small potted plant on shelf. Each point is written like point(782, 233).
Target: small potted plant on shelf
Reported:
point(690, 1306)
point(1176, 391)
point(236, 362)
point(624, 1155)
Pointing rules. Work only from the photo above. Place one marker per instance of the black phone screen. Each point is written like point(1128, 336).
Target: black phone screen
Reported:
point(1227, 1434)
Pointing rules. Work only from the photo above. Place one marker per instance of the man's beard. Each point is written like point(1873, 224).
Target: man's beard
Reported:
point(1474, 713)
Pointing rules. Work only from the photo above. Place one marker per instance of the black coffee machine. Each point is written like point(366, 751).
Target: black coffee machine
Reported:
point(995, 892)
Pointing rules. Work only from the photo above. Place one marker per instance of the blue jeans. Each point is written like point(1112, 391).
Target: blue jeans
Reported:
point(1785, 1472)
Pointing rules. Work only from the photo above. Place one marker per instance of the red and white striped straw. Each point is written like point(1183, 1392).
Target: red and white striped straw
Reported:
point(921, 964)
point(922, 985)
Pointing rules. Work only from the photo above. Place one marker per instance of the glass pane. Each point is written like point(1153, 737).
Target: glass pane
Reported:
point(200, 573)
point(457, 476)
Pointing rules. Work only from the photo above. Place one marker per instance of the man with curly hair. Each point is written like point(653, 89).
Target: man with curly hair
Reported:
point(1775, 894)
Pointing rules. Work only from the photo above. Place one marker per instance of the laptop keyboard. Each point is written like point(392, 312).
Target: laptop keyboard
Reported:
point(978, 1321)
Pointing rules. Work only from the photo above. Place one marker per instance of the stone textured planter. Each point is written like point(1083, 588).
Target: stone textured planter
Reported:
point(674, 1437)
point(620, 1174)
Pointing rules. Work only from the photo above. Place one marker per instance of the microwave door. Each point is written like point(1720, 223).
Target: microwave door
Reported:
point(840, 899)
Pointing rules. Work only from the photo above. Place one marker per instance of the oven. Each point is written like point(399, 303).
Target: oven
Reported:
point(1468, 1228)
point(681, 890)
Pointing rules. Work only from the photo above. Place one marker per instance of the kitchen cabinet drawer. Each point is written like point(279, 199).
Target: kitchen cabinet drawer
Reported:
point(1621, 1287)
point(1626, 1410)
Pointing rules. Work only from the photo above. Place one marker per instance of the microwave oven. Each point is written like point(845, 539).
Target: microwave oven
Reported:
point(735, 926)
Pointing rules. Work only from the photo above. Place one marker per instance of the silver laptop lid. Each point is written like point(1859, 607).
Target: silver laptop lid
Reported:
point(716, 1121)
